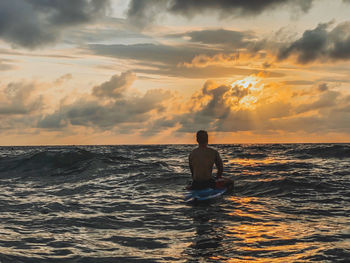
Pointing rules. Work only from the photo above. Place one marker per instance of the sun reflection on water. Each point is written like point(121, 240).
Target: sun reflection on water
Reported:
point(265, 236)
point(255, 162)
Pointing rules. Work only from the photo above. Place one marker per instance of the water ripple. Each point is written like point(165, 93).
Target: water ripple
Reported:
point(124, 204)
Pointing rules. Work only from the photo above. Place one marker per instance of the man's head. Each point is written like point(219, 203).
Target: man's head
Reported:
point(202, 137)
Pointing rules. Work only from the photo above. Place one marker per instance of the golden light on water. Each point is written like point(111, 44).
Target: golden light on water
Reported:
point(264, 229)
point(254, 162)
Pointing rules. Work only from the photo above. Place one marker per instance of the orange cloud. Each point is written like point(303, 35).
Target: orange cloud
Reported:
point(254, 105)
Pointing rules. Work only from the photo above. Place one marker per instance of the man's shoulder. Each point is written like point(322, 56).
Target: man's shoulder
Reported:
point(199, 150)
point(212, 150)
point(195, 150)
point(205, 149)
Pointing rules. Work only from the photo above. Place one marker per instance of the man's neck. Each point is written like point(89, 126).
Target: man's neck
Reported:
point(202, 145)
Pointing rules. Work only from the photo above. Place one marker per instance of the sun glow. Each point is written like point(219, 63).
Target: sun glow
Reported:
point(249, 82)
point(247, 91)
point(248, 101)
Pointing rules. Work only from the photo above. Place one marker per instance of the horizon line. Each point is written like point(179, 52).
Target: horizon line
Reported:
point(155, 144)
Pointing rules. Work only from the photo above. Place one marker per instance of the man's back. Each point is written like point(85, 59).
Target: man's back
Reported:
point(201, 162)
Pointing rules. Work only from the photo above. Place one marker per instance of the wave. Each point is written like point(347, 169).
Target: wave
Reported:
point(307, 151)
point(63, 161)
point(129, 199)
point(283, 186)
point(50, 162)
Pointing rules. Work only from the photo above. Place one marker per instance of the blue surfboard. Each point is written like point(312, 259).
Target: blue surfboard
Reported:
point(204, 194)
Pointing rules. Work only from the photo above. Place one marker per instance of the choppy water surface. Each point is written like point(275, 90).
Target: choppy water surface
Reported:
point(291, 203)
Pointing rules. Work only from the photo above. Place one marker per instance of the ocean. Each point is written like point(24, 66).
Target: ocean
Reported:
point(291, 203)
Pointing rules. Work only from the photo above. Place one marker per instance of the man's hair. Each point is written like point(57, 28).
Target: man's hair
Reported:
point(202, 137)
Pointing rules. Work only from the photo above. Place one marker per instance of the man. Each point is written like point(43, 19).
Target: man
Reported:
point(201, 161)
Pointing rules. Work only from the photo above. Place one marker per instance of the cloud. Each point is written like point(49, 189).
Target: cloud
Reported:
point(4, 65)
point(35, 23)
point(323, 87)
point(235, 7)
point(97, 112)
point(205, 61)
point(107, 29)
point(320, 44)
point(221, 46)
point(106, 116)
point(218, 107)
point(250, 105)
point(150, 53)
point(168, 60)
point(234, 39)
point(208, 71)
point(19, 98)
point(326, 100)
point(62, 79)
point(301, 82)
point(142, 12)
point(145, 11)
point(309, 47)
point(116, 86)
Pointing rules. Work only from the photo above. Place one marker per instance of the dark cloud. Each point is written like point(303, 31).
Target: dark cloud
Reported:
point(66, 12)
point(320, 44)
point(227, 41)
point(169, 60)
point(233, 7)
point(326, 100)
point(34, 23)
point(19, 98)
point(216, 107)
point(119, 109)
point(106, 116)
point(215, 112)
point(116, 86)
point(323, 87)
point(151, 53)
point(159, 125)
point(312, 44)
point(55, 120)
point(144, 11)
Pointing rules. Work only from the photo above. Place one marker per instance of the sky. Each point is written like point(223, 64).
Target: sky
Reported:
point(156, 71)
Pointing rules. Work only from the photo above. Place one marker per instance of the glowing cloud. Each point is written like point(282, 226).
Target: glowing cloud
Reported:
point(245, 92)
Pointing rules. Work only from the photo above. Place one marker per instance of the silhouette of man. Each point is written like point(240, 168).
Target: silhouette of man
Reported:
point(201, 161)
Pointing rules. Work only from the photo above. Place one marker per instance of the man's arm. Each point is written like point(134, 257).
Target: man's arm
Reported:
point(190, 164)
point(219, 165)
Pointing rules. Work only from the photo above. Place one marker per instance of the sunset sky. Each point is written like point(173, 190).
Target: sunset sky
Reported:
point(156, 71)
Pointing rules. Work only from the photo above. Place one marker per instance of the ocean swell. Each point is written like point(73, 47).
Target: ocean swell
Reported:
point(125, 204)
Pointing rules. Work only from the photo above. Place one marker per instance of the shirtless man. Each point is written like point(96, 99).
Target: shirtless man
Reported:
point(201, 161)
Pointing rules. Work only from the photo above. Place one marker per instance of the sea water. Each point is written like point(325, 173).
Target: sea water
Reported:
point(291, 203)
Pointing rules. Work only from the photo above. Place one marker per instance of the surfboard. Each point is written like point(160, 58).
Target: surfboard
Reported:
point(203, 194)
point(222, 186)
